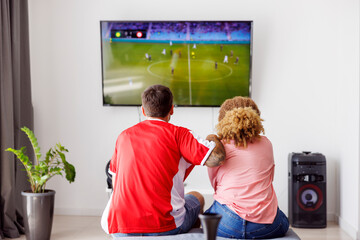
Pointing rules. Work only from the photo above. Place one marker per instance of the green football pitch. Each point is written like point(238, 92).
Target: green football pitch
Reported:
point(196, 74)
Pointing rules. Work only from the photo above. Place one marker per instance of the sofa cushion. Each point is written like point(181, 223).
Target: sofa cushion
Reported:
point(196, 234)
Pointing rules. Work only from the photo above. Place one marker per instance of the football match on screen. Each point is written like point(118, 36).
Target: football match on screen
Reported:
point(202, 62)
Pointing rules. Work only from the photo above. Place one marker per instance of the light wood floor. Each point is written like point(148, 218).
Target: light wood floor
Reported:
point(88, 228)
point(331, 232)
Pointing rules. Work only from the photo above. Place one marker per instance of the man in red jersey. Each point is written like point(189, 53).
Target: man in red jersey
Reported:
point(149, 165)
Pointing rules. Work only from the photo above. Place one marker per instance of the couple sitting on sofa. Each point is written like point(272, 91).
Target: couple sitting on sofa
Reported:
point(153, 158)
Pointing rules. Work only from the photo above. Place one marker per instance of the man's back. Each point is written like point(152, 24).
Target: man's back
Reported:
point(150, 163)
point(149, 166)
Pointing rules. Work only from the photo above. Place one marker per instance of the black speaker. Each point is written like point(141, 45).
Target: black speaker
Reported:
point(307, 190)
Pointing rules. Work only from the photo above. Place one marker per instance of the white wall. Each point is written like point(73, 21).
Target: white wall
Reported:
point(305, 81)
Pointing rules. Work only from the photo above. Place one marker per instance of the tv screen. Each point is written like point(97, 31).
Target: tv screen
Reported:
point(202, 62)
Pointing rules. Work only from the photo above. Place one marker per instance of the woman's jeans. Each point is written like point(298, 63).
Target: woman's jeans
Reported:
point(233, 226)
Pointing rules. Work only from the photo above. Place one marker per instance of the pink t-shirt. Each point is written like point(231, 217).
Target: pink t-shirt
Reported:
point(244, 182)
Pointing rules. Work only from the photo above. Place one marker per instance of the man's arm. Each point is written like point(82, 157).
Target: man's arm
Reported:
point(217, 156)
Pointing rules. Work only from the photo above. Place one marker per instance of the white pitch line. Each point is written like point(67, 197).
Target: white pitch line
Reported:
point(122, 88)
point(195, 80)
point(189, 74)
point(120, 80)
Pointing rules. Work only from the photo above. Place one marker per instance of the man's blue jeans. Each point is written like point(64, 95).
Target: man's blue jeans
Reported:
point(192, 206)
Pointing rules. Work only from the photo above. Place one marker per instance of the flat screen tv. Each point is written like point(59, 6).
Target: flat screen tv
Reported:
point(202, 62)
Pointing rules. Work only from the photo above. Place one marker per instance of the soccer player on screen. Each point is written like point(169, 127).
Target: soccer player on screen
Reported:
point(193, 54)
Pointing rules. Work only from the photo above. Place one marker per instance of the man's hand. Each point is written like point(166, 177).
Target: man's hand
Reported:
point(217, 156)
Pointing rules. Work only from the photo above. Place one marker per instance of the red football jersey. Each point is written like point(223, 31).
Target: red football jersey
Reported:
point(150, 163)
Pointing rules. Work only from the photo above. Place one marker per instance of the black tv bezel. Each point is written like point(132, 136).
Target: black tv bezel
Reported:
point(138, 105)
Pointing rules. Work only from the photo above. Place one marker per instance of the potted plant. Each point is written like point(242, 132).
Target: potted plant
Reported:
point(38, 203)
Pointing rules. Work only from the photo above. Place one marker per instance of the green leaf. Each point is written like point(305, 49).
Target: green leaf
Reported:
point(33, 141)
point(42, 170)
point(49, 156)
point(69, 169)
point(43, 179)
point(61, 148)
point(20, 154)
point(70, 172)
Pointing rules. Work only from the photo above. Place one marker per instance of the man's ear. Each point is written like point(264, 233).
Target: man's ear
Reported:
point(143, 111)
point(172, 110)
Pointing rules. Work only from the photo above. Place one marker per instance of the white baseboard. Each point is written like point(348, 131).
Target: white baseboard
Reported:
point(78, 212)
point(348, 228)
point(331, 217)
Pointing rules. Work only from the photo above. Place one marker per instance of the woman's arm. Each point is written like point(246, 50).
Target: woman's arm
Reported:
point(217, 156)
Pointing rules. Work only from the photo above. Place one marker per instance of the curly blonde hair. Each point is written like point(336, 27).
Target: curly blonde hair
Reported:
point(241, 124)
point(237, 102)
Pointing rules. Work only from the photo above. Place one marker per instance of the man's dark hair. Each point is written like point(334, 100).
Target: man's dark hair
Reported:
point(157, 101)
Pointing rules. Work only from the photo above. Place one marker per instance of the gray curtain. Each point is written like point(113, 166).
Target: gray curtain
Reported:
point(15, 111)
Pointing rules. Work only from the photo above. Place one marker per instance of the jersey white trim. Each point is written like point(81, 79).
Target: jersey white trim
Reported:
point(104, 217)
point(177, 193)
point(112, 173)
point(156, 119)
point(209, 144)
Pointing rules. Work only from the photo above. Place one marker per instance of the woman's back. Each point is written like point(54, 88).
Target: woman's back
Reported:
point(244, 194)
point(244, 182)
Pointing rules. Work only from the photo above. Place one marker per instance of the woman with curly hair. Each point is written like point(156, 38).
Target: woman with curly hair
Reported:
point(244, 194)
